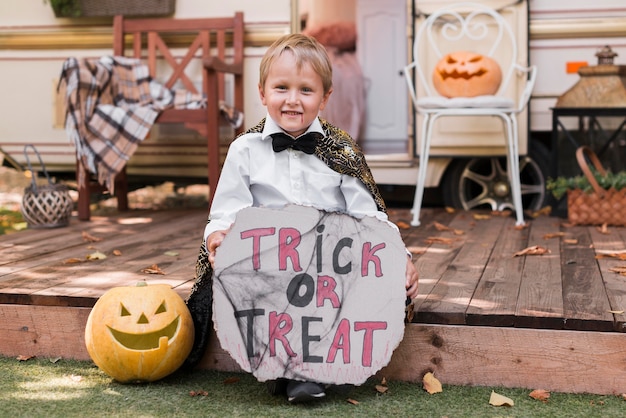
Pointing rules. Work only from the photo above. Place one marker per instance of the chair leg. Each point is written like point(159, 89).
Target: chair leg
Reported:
point(121, 190)
point(513, 163)
point(423, 165)
point(84, 192)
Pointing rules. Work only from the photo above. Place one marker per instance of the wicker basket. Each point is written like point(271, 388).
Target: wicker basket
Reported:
point(107, 8)
point(600, 206)
point(48, 205)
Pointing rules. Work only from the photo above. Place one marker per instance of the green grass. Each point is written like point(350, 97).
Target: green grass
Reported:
point(63, 388)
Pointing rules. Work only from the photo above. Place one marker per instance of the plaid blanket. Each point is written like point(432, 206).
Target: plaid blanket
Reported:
point(111, 105)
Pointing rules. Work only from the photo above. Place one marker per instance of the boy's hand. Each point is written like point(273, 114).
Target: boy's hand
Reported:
point(213, 241)
point(411, 279)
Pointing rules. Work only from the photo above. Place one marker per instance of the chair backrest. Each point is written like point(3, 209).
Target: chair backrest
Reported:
point(464, 27)
point(158, 40)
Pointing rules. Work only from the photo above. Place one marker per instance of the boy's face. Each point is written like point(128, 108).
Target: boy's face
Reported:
point(293, 97)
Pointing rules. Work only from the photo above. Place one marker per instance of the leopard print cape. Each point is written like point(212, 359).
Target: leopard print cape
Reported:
point(340, 153)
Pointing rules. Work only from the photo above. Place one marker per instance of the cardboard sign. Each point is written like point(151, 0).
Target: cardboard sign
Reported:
point(310, 295)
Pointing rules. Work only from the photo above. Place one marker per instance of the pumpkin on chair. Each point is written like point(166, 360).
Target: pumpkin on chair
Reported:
point(139, 333)
point(466, 74)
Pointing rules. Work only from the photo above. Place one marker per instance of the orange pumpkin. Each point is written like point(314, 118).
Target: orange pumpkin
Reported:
point(466, 74)
point(139, 333)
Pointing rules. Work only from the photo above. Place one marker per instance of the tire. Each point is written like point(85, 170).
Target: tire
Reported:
point(482, 183)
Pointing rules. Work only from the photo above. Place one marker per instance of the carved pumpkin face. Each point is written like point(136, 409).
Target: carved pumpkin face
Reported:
point(140, 333)
point(466, 74)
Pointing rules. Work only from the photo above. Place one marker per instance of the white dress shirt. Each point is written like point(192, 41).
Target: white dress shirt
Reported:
point(255, 175)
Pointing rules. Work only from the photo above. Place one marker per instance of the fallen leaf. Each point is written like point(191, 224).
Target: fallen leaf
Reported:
point(534, 250)
point(603, 229)
point(90, 238)
point(619, 270)
point(24, 358)
point(352, 401)
point(450, 209)
point(96, 256)
point(117, 253)
point(440, 240)
point(617, 312)
point(153, 269)
point(171, 253)
point(441, 227)
point(540, 395)
point(431, 383)
point(416, 250)
point(546, 210)
point(619, 255)
point(381, 388)
point(72, 261)
point(383, 381)
point(198, 393)
point(554, 235)
point(502, 213)
point(500, 400)
point(572, 241)
point(231, 380)
point(480, 217)
point(521, 227)
point(403, 225)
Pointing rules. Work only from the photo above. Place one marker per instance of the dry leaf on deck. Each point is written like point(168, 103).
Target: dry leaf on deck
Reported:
point(503, 213)
point(153, 269)
point(90, 238)
point(480, 217)
point(534, 250)
point(439, 240)
point(431, 384)
point(403, 225)
point(96, 256)
point(604, 229)
point(441, 227)
point(72, 261)
point(450, 209)
point(619, 270)
point(619, 256)
point(171, 253)
point(500, 400)
point(546, 210)
point(554, 235)
point(616, 312)
point(416, 250)
point(572, 241)
point(117, 253)
point(540, 395)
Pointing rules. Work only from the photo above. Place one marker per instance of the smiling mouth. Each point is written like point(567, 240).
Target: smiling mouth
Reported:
point(148, 340)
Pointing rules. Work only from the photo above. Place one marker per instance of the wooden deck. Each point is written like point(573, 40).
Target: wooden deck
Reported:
point(484, 316)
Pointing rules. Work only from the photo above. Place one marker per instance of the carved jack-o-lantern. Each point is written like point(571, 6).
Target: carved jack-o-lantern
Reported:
point(139, 334)
point(466, 74)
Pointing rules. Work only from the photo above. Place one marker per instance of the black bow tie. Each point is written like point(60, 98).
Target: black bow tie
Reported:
point(305, 143)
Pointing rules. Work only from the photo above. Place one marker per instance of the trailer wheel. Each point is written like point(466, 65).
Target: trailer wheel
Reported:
point(482, 183)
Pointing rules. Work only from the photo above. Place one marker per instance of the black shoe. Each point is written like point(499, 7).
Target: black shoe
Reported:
point(304, 391)
point(277, 387)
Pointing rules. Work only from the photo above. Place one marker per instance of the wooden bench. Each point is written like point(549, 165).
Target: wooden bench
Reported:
point(218, 43)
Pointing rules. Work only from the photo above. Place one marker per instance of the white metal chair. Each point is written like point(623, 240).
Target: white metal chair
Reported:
point(468, 26)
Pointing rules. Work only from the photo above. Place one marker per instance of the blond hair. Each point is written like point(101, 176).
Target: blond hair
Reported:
point(305, 49)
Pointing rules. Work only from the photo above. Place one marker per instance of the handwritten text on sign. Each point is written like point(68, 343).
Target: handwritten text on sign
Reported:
point(302, 293)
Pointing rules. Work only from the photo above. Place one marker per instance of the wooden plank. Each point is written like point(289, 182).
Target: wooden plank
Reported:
point(450, 297)
point(540, 301)
point(495, 298)
point(585, 302)
point(615, 284)
point(560, 361)
point(43, 331)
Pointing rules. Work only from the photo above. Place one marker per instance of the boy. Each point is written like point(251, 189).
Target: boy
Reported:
point(291, 156)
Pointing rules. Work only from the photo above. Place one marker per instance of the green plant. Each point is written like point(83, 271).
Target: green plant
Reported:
point(561, 185)
point(69, 8)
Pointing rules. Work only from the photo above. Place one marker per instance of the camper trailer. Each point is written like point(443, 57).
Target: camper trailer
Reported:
point(371, 99)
